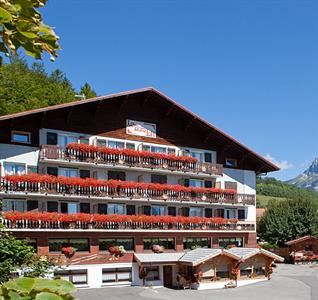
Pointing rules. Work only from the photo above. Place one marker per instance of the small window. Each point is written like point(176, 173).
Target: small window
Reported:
point(171, 151)
point(68, 172)
point(51, 138)
point(130, 146)
point(130, 210)
point(225, 242)
point(193, 243)
point(241, 214)
point(21, 137)
point(157, 210)
point(32, 205)
point(168, 243)
point(117, 275)
point(32, 169)
point(172, 211)
point(74, 276)
point(116, 175)
point(83, 140)
point(115, 209)
point(116, 145)
point(84, 174)
point(162, 179)
point(52, 206)
point(101, 143)
point(56, 245)
point(196, 183)
point(157, 149)
point(195, 212)
point(13, 168)
point(127, 243)
point(85, 208)
point(12, 204)
point(152, 273)
point(229, 185)
point(145, 148)
point(231, 162)
point(53, 171)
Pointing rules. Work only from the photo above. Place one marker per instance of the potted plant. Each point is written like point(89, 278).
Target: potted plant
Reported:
point(69, 251)
point(116, 252)
point(157, 249)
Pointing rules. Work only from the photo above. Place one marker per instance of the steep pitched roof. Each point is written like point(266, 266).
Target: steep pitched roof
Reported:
point(264, 165)
point(301, 239)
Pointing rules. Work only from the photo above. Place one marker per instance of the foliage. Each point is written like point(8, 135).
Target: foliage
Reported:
point(22, 26)
point(87, 91)
point(23, 87)
point(289, 219)
point(25, 288)
point(18, 255)
point(275, 188)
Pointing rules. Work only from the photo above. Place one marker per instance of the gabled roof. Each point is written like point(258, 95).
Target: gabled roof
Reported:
point(264, 165)
point(197, 256)
point(245, 253)
point(301, 239)
point(157, 258)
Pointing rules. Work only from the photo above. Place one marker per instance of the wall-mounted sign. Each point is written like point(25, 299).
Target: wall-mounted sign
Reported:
point(141, 128)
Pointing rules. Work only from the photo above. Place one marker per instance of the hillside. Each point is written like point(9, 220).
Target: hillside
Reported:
point(270, 189)
point(308, 179)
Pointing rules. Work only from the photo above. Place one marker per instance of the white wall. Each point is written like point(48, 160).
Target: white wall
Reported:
point(18, 154)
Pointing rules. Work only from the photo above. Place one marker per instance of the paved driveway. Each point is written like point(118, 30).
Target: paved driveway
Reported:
point(289, 282)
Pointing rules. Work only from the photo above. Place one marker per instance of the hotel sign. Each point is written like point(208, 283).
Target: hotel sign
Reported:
point(141, 128)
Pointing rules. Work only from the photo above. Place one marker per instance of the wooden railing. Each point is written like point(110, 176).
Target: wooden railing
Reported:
point(55, 152)
point(129, 192)
point(126, 225)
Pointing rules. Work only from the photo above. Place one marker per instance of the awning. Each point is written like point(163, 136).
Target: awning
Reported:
point(158, 258)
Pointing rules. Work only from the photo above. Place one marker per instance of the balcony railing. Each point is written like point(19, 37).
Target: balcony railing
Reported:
point(29, 220)
point(130, 158)
point(45, 184)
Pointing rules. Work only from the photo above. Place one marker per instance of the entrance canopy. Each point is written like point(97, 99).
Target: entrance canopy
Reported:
point(158, 258)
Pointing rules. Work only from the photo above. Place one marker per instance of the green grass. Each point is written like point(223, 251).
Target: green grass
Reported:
point(262, 200)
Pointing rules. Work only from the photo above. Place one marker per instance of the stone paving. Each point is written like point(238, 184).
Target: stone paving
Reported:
point(289, 282)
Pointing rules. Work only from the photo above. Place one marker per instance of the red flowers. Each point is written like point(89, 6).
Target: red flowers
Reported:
point(100, 218)
point(90, 182)
point(129, 152)
point(69, 251)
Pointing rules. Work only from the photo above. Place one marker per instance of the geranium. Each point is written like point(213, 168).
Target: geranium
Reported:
point(69, 251)
point(129, 152)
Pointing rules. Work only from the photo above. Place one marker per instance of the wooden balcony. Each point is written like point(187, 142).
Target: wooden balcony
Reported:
point(55, 221)
point(49, 152)
point(50, 185)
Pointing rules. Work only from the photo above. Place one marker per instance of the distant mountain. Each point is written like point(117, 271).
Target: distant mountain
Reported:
point(308, 179)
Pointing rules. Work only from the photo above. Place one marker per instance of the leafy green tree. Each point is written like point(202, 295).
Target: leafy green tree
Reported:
point(17, 255)
point(87, 91)
point(22, 27)
point(25, 288)
point(289, 219)
point(23, 87)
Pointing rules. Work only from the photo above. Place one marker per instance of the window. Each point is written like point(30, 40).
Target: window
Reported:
point(116, 145)
point(158, 149)
point(116, 175)
point(85, 208)
point(230, 185)
point(219, 212)
point(130, 146)
point(84, 174)
point(241, 214)
point(32, 169)
point(74, 276)
point(157, 210)
point(14, 168)
point(56, 245)
point(102, 208)
point(222, 272)
point(195, 212)
point(63, 140)
point(245, 270)
point(168, 243)
point(101, 143)
point(130, 210)
point(162, 179)
point(232, 241)
point(230, 162)
point(152, 273)
point(171, 151)
point(116, 275)
point(196, 154)
point(127, 243)
point(21, 137)
point(68, 172)
point(193, 243)
point(51, 138)
point(69, 207)
point(52, 171)
point(208, 212)
point(196, 183)
point(172, 211)
point(145, 148)
point(52, 206)
point(13, 204)
point(115, 209)
point(32, 205)
point(230, 213)
point(84, 140)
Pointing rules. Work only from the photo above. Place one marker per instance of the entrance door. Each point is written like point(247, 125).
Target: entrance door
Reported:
point(167, 276)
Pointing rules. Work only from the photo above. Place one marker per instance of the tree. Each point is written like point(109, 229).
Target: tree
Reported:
point(22, 27)
point(23, 87)
point(289, 219)
point(37, 288)
point(87, 91)
point(17, 255)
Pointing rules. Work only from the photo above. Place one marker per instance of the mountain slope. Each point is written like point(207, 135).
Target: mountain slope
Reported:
point(308, 179)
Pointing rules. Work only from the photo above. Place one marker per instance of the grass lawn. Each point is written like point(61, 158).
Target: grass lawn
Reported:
point(262, 200)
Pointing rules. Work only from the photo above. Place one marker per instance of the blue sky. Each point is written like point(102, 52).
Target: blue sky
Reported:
point(248, 67)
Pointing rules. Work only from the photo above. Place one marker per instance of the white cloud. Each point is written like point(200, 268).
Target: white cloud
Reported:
point(283, 164)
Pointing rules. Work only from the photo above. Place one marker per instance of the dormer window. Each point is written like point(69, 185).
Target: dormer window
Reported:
point(230, 162)
point(21, 137)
